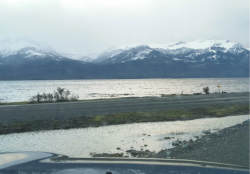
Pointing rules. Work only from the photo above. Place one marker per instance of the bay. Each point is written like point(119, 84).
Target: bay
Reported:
point(16, 91)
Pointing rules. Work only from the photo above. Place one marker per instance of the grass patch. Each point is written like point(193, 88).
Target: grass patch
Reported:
point(222, 111)
point(14, 103)
point(138, 117)
point(173, 95)
point(125, 118)
point(18, 103)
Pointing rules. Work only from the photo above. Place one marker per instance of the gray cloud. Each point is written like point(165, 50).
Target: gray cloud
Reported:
point(96, 24)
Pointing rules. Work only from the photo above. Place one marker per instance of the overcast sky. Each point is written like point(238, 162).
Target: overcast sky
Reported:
point(88, 25)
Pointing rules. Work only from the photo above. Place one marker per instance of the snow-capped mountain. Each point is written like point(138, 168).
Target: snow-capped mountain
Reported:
point(113, 51)
point(25, 46)
point(132, 54)
point(29, 48)
point(197, 51)
point(197, 45)
point(23, 58)
point(76, 55)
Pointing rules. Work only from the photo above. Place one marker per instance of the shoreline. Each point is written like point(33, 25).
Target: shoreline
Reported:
point(124, 78)
point(228, 146)
point(119, 98)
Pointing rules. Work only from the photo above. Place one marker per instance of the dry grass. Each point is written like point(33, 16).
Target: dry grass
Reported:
point(124, 118)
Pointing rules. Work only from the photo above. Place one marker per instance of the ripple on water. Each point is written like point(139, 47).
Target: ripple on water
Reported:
point(13, 91)
point(146, 136)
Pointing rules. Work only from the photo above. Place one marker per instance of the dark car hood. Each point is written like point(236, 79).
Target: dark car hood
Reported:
point(42, 162)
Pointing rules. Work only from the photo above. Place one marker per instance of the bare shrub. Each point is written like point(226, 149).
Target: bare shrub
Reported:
point(206, 90)
point(60, 95)
point(1, 103)
point(74, 97)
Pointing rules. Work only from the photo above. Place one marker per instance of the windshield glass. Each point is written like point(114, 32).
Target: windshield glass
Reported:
point(130, 79)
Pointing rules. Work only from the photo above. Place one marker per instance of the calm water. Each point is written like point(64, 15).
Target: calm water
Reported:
point(11, 91)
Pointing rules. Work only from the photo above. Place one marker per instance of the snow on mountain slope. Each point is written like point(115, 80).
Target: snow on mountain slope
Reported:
point(11, 46)
point(141, 54)
point(77, 55)
point(34, 49)
point(209, 51)
point(196, 45)
point(124, 47)
point(187, 50)
point(136, 53)
point(116, 50)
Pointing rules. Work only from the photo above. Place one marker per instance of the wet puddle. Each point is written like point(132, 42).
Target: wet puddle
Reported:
point(147, 136)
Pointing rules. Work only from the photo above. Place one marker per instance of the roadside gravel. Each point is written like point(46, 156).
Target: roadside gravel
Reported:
point(230, 146)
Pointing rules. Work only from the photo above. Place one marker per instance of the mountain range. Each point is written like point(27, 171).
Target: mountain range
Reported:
point(23, 58)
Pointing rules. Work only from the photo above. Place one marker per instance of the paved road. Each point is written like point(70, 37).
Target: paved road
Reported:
point(10, 113)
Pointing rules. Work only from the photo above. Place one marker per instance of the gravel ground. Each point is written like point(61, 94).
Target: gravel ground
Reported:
point(230, 146)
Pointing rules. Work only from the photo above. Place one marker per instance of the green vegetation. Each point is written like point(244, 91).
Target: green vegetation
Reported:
point(124, 118)
point(220, 111)
point(173, 95)
point(14, 103)
point(137, 117)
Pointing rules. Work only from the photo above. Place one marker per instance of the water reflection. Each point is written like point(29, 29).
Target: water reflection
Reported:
point(81, 142)
point(11, 91)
